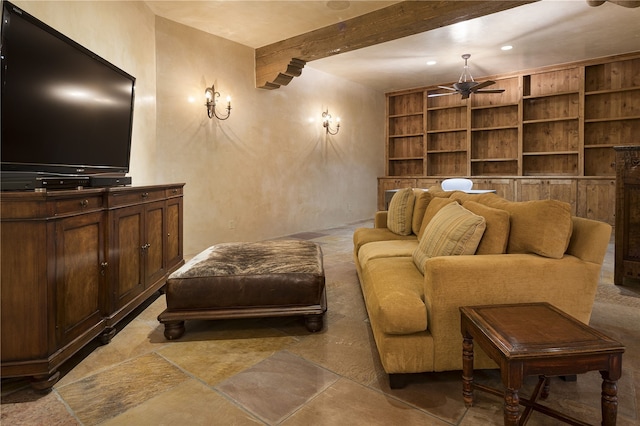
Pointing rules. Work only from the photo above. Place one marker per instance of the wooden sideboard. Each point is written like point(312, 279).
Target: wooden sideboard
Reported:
point(627, 246)
point(589, 197)
point(75, 263)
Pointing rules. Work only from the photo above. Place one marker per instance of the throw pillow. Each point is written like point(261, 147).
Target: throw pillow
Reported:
point(432, 209)
point(453, 231)
point(543, 227)
point(401, 212)
point(496, 236)
point(423, 198)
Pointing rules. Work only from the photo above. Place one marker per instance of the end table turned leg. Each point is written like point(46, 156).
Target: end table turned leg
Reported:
point(467, 371)
point(609, 400)
point(511, 407)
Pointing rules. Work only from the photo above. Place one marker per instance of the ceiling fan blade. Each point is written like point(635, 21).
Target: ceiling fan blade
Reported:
point(490, 91)
point(453, 89)
point(433, 95)
point(482, 85)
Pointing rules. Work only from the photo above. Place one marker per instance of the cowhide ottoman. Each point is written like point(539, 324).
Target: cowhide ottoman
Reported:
point(245, 280)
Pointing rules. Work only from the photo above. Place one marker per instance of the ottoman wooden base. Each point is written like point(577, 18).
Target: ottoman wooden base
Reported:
point(248, 280)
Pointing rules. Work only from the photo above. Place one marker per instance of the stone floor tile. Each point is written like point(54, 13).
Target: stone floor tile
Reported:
point(348, 403)
point(109, 393)
point(277, 386)
point(205, 407)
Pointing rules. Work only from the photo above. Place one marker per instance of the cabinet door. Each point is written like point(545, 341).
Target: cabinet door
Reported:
point(548, 189)
point(389, 184)
point(154, 243)
point(128, 241)
point(596, 199)
point(174, 232)
point(79, 275)
point(503, 187)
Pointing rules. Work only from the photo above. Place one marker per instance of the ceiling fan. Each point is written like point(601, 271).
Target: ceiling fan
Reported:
point(466, 85)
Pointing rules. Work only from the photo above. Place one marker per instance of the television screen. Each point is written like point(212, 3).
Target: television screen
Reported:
point(64, 108)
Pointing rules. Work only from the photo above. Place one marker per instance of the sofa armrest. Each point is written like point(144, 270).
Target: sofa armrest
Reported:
point(454, 281)
point(380, 219)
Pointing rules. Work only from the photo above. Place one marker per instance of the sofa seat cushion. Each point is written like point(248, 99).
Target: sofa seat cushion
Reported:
point(363, 236)
point(378, 249)
point(399, 219)
point(394, 295)
point(453, 231)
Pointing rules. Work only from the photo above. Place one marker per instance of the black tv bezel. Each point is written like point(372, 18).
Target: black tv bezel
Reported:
point(58, 169)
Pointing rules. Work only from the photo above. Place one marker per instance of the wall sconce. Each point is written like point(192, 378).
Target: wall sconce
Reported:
point(212, 99)
point(327, 120)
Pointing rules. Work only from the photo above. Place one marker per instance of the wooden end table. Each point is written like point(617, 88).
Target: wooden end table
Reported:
point(537, 339)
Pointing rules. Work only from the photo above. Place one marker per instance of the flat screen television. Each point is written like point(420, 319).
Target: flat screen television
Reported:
point(65, 110)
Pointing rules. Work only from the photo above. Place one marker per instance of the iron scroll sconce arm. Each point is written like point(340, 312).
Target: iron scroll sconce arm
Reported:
point(211, 101)
point(327, 120)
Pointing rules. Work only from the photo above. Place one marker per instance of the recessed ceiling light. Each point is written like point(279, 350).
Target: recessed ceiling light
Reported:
point(431, 62)
point(507, 47)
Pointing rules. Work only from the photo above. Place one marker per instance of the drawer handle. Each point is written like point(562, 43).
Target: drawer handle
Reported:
point(145, 194)
point(175, 191)
point(146, 246)
point(84, 203)
point(103, 268)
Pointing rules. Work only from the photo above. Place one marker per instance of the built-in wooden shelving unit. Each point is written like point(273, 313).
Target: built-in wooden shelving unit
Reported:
point(549, 125)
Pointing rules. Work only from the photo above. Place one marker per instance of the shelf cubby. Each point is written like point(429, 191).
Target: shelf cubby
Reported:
point(550, 164)
point(447, 164)
point(406, 147)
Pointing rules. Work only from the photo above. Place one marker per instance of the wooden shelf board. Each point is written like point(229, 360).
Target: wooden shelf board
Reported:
point(494, 106)
point(482, 129)
point(607, 91)
point(600, 120)
point(446, 151)
point(491, 160)
point(405, 158)
point(447, 130)
point(409, 114)
point(548, 120)
point(549, 95)
point(550, 153)
point(408, 135)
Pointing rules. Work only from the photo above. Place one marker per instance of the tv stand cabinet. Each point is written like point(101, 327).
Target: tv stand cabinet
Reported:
point(75, 263)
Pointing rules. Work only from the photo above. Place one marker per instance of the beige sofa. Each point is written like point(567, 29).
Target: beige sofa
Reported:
point(528, 252)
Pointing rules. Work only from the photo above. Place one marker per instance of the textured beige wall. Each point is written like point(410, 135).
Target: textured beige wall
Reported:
point(122, 33)
point(268, 170)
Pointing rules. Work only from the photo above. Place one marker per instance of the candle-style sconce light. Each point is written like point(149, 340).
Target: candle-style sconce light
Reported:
point(327, 121)
point(211, 101)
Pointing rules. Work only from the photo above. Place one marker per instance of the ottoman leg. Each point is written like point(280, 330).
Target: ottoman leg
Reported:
point(173, 329)
point(313, 322)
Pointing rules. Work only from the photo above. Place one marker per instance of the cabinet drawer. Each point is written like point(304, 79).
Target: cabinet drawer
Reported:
point(77, 205)
point(174, 192)
point(136, 197)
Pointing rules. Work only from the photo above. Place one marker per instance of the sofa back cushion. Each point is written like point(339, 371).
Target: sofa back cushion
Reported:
point(401, 212)
point(432, 209)
point(423, 198)
point(496, 236)
point(542, 227)
point(454, 230)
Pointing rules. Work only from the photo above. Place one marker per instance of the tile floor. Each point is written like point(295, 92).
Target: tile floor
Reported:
point(274, 372)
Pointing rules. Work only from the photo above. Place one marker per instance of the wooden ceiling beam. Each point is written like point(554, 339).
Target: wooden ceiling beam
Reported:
point(278, 63)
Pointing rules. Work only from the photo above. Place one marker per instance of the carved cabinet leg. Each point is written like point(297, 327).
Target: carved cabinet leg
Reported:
point(43, 384)
point(105, 337)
